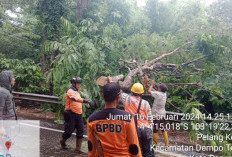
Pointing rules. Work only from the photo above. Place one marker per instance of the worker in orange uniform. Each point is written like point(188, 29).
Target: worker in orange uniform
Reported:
point(112, 132)
point(73, 114)
point(159, 112)
point(135, 105)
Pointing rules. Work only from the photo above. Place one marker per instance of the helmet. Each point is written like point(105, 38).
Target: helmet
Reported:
point(137, 88)
point(76, 80)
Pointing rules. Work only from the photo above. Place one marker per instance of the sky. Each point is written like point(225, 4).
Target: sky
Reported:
point(141, 3)
point(13, 15)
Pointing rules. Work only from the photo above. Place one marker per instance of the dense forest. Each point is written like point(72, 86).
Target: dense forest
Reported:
point(186, 44)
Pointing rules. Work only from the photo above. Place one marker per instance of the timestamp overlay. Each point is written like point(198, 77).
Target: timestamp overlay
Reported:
point(19, 139)
point(210, 134)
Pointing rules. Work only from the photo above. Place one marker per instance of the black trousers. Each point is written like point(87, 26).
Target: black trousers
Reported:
point(145, 136)
point(72, 122)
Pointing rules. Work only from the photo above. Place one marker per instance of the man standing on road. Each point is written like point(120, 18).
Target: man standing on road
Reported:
point(158, 110)
point(7, 105)
point(73, 114)
point(112, 132)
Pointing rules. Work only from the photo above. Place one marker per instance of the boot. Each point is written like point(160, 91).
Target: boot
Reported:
point(165, 134)
point(78, 147)
point(155, 139)
point(63, 144)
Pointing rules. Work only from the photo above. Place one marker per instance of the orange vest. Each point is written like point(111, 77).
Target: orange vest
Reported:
point(115, 129)
point(72, 105)
point(132, 105)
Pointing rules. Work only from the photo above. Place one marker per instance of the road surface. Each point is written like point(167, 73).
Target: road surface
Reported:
point(50, 135)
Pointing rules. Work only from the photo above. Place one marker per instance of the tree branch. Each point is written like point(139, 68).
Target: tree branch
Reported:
point(128, 62)
point(184, 84)
point(151, 65)
point(192, 97)
point(184, 65)
point(167, 54)
point(174, 106)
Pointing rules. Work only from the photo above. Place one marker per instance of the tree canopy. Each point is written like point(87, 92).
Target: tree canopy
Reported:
point(185, 44)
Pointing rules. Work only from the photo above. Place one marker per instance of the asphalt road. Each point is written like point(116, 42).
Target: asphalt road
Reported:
point(50, 144)
point(50, 135)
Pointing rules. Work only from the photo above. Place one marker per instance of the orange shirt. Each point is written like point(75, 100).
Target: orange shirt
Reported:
point(70, 104)
point(116, 132)
point(131, 106)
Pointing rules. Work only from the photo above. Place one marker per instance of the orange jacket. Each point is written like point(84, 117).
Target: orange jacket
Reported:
point(131, 106)
point(73, 101)
point(116, 132)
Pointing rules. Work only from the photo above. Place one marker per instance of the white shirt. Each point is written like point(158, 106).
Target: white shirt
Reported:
point(158, 108)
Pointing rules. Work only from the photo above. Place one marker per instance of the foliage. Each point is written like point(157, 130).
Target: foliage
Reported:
point(220, 16)
point(216, 76)
point(49, 13)
point(17, 36)
point(49, 27)
point(111, 30)
point(18, 45)
point(28, 75)
point(83, 56)
point(160, 15)
point(124, 15)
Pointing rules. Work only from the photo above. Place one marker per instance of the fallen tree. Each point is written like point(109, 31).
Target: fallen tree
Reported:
point(154, 65)
point(141, 70)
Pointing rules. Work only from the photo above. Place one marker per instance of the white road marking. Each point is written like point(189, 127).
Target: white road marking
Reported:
point(50, 129)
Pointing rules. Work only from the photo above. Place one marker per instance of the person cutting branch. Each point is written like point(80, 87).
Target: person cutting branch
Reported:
point(158, 110)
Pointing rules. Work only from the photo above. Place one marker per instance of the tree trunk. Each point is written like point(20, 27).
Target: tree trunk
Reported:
point(79, 10)
point(84, 4)
point(81, 6)
point(43, 57)
point(52, 57)
point(43, 62)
